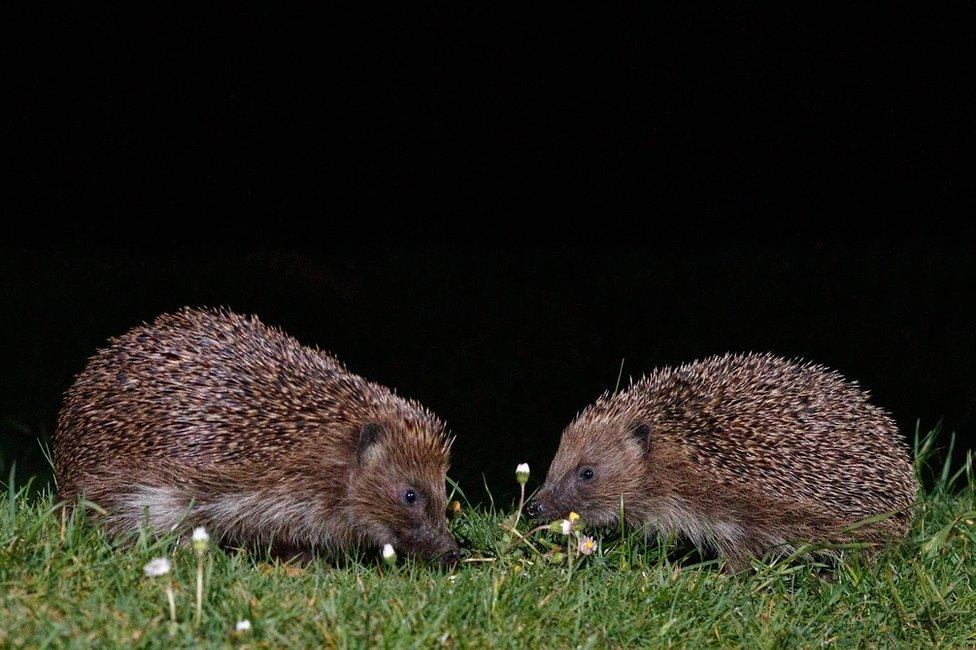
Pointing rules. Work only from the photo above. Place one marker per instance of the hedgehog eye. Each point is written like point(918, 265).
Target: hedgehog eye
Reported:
point(586, 474)
point(409, 497)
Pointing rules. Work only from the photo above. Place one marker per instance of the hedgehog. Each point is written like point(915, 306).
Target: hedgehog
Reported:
point(209, 418)
point(742, 455)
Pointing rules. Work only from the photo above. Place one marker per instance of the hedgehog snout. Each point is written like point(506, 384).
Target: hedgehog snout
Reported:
point(434, 544)
point(534, 509)
point(443, 550)
point(553, 501)
point(451, 556)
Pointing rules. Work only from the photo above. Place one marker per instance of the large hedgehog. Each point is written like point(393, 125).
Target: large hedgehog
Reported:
point(741, 453)
point(208, 418)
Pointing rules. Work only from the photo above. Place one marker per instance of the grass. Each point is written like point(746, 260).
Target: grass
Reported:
point(64, 583)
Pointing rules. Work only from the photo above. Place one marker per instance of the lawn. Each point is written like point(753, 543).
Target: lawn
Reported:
point(63, 583)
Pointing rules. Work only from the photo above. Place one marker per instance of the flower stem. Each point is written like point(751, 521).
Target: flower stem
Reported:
point(524, 538)
point(535, 530)
point(199, 588)
point(569, 557)
point(518, 513)
point(172, 603)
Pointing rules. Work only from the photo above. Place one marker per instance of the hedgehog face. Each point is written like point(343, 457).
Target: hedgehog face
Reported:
point(596, 465)
point(398, 494)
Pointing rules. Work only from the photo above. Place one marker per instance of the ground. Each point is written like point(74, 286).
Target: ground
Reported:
point(63, 583)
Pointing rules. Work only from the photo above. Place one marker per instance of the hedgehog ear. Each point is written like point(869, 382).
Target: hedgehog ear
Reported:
point(642, 433)
point(368, 435)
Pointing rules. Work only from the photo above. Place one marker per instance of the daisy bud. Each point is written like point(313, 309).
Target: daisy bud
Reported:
point(522, 473)
point(564, 526)
point(389, 555)
point(157, 567)
point(200, 540)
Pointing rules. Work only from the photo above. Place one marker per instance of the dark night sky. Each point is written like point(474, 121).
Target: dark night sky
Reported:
point(489, 211)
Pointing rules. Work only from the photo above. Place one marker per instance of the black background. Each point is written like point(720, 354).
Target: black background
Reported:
point(489, 210)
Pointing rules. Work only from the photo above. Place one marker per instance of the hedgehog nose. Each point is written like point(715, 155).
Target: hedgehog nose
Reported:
point(451, 557)
point(534, 509)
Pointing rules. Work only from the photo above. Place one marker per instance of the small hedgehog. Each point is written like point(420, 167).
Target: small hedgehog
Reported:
point(741, 454)
point(208, 418)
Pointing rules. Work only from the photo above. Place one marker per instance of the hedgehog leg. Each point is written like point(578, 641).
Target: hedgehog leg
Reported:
point(736, 564)
point(727, 535)
point(150, 496)
point(736, 554)
point(291, 553)
point(164, 509)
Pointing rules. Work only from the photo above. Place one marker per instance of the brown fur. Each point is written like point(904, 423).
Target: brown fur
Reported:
point(740, 453)
point(210, 418)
